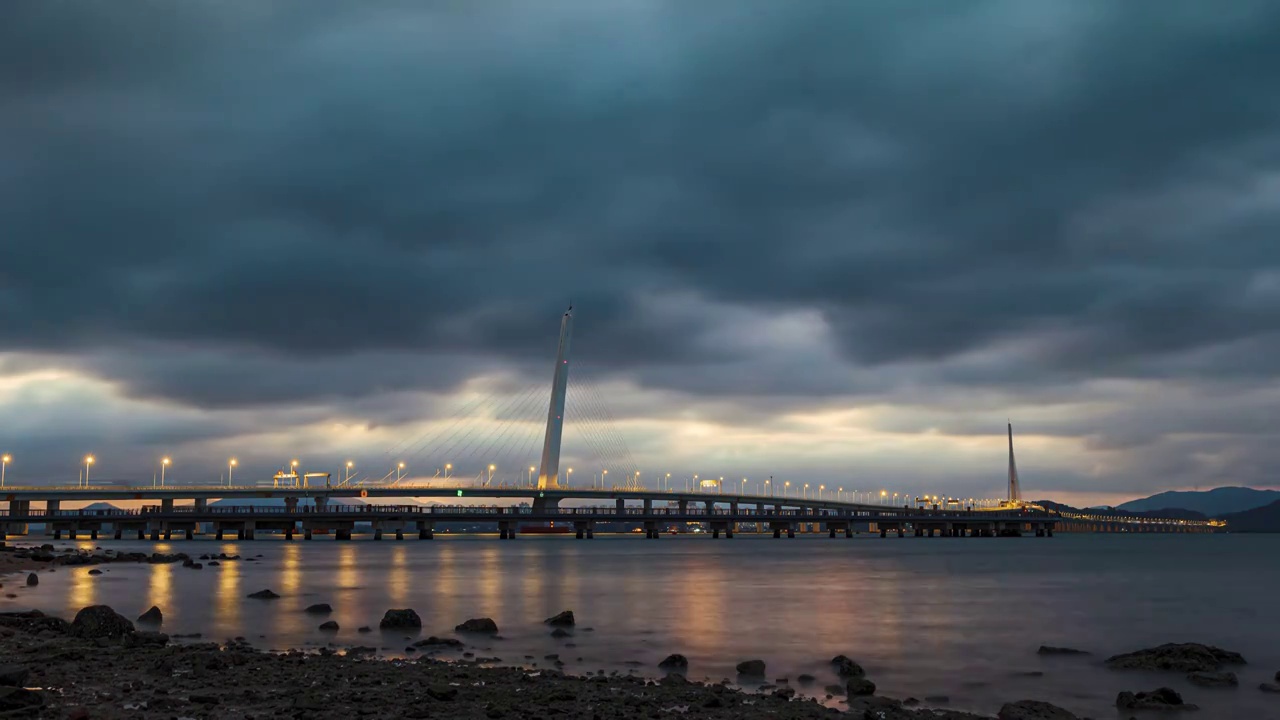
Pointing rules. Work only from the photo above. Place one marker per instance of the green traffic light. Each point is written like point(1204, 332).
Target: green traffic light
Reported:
point(459, 493)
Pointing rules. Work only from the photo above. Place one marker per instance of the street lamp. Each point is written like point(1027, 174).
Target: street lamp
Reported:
point(293, 468)
point(569, 478)
point(88, 460)
point(399, 470)
point(668, 482)
point(603, 478)
point(230, 466)
point(786, 488)
point(4, 462)
point(806, 491)
point(530, 474)
point(744, 486)
point(840, 493)
point(822, 489)
point(164, 463)
point(491, 469)
point(766, 485)
point(347, 476)
point(447, 468)
point(882, 496)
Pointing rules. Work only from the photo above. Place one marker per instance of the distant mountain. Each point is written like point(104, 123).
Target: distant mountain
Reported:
point(1168, 513)
point(1262, 519)
point(1213, 503)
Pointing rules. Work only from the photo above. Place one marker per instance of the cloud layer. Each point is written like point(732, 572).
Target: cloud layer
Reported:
point(821, 240)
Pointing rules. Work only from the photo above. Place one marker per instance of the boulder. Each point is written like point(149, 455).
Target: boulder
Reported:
point(364, 629)
point(478, 625)
point(318, 609)
point(100, 621)
point(13, 675)
point(15, 700)
point(1051, 650)
point(564, 619)
point(405, 618)
point(264, 595)
point(152, 616)
point(1033, 710)
point(675, 662)
point(1159, 699)
point(847, 668)
point(754, 668)
point(145, 638)
point(785, 693)
point(95, 571)
point(32, 579)
point(560, 633)
point(329, 626)
point(860, 687)
point(806, 679)
point(1213, 679)
point(437, 641)
point(1182, 657)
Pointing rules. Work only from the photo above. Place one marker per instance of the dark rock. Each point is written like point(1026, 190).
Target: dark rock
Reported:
point(560, 633)
point(146, 638)
point(213, 563)
point(478, 625)
point(1213, 679)
point(318, 609)
point(152, 616)
point(100, 621)
point(196, 566)
point(860, 686)
point(442, 692)
point(806, 679)
point(95, 571)
point(364, 629)
point(785, 693)
point(1269, 687)
point(847, 668)
point(436, 641)
point(1182, 657)
point(1033, 710)
point(329, 625)
point(754, 668)
point(675, 661)
point(13, 675)
point(15, 699)
point(32, 579)
point(400, 619)
point(1051, 650)
point(564, 619)
point(1160, 699)
point(264, 595)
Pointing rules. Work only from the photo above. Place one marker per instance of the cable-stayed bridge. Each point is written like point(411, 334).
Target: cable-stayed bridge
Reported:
point(508, 434)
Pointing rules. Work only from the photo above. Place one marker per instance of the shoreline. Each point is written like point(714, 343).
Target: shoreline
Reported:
point(101, 666)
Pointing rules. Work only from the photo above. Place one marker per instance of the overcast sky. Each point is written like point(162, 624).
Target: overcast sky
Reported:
point(832, 242)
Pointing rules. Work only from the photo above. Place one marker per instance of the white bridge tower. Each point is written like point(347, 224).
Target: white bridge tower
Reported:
point(549, 474)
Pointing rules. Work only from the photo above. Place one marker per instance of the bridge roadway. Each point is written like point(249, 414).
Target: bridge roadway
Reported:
point(653, 510)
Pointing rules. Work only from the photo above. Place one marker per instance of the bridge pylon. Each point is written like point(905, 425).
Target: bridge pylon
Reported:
point(549, 473)
point(1015, 490)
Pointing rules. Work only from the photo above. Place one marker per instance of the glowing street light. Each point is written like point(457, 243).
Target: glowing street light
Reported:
point(4, 462)
point(786, 488)
point(806, 491)
point(347, 476)
point(668, 482)
point(744, 486)
point(569, 478)
point(447, 468)
point(821, 490)
point(164, 463)
point(530, 474)
point(883, 494)
point(88, 460)
point(231, 464)
point(400, 469)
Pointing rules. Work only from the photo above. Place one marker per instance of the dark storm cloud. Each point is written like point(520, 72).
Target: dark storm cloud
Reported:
point(329, 182)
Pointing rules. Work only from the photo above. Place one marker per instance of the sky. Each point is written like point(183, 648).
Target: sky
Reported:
point(829, 242)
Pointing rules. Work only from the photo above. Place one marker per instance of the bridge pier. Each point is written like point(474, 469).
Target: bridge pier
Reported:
point(306, 533)
point(217, 531)
point(155, 534)
point(71, 534)
point(377, 533)
point(848, 531)
point(400, 533)
point(288, 533)
point(119, 533)
point(777, 533)
point(791, 532)
point(343, 534)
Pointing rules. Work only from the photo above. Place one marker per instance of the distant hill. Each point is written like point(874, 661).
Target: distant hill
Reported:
point(1213, 503)
point(1168, 513)
point(1261, 519)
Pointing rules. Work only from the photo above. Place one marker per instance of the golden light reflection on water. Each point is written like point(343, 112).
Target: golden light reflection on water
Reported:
point(348, 566)
point(443, 587)
point(228, 595)
point(398, 577)
point(84, 590)
point(291, 571)
point(160, 586)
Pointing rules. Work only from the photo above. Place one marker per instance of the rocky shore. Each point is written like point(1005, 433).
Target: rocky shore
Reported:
point(100, 665)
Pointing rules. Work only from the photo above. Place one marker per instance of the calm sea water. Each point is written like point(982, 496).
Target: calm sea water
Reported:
point(926, 617)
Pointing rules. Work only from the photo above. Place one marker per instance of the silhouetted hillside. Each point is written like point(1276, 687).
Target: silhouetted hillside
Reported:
point(1213, 503)
point(1263, 519)
point(1167, 513)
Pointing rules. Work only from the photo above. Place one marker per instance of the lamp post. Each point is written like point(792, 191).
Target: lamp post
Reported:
point(786, 488)
point(4, 462)
point(164, 463)
point(603, 478)
point(882, 496)
point(744, 486)
point(569, 478)
point(806, 491)
point(768, 489)
point(530, 474)
point(447, 468)
point(231, 464)
point(88, 460)
point(400, 470)
point(491, 469)
point(668, 487)
point(822, 490)
point(347, 475)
